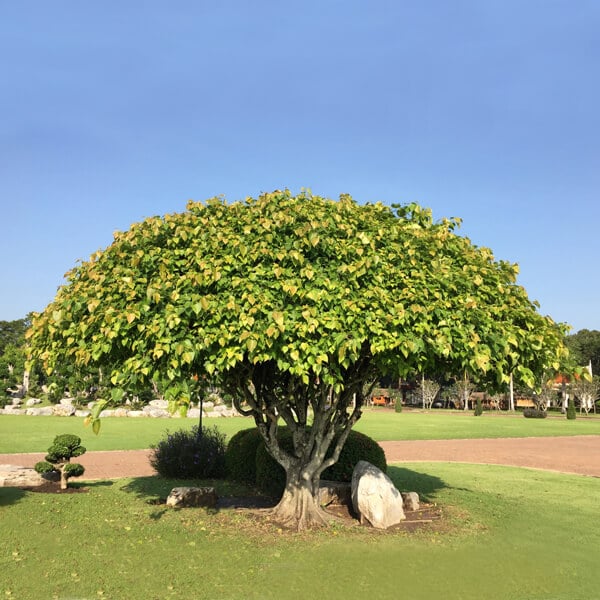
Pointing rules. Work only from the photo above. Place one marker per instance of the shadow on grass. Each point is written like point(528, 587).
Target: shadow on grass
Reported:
point(10, 495)
point(154, 491)
point(407, 480)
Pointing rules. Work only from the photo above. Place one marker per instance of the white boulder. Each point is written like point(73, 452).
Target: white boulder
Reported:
point(375, 498)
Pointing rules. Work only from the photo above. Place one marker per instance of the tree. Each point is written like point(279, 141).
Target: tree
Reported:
point(464, 389)
point(58, 460)
point(292, 304)
point(545, 394)
point(13, 333)
point(12, 355)
point(427, 390)
point(587, 392)
point(585, 348)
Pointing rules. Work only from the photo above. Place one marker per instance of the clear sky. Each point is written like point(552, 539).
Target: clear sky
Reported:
point(484, 109)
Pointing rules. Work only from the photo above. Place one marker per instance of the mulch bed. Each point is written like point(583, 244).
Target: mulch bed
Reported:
point(53, 487)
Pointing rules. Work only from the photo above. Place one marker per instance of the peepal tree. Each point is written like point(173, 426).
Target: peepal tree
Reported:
point(294, 305)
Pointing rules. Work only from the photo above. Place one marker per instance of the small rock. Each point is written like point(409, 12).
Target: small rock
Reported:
point(156, 413)
point(192, 496)
point(44, 411)
point(136, 413)
point(410, 500)
point(33, 402)
point(334, 492)
point(63, 410)
point(158, 403)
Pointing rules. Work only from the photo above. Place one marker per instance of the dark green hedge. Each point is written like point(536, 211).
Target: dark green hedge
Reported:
point(240, 456)
point(270, 476)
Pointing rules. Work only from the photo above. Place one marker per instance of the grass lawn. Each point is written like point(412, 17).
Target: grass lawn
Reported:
point(511, 534)
point(20, 433)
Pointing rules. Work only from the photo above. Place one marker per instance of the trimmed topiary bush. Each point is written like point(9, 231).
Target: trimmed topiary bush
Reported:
point(270, 476)
point(478, 408)
point(187, 455)
point(534, 413)
point(571, 412)
point(65, 447)
point(398, 405)
point(240, 456)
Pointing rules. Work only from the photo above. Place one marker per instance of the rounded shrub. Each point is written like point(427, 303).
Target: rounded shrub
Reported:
point(185, 454)
point(478, 408)
point(398, 405)
point(571, 412)
point(74, 470)
point(270, 475)
point(534, 413)
point(240, 456)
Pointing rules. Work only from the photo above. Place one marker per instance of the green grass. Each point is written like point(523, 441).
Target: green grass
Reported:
point(513, 534)
point(20, 433)
point(444, 425)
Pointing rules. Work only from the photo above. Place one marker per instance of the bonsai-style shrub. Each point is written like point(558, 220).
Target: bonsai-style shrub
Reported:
point(190, 454)
point(58, 460)
point(478, 408)
point(240, 456)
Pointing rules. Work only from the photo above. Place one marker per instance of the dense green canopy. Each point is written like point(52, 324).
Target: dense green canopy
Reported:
point(309, 283)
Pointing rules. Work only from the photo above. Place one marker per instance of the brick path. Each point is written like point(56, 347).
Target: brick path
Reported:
point(576, 454)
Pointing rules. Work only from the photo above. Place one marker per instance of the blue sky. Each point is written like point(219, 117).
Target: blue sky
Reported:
point(483, 109)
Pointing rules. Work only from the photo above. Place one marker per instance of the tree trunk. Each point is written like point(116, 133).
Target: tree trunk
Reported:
point(298, 507)
point(63, 478)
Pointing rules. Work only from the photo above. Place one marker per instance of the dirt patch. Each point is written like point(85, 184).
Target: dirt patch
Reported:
point(53, 487)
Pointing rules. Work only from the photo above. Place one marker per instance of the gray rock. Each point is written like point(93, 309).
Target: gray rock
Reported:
point(206, 406)
point(192, 496)
point(121, 412)
point(410, 500)
point(83, 413)
point(11, 410)
point(136, 413)
point(156, 413)
point(193, 413)
point(213, 414)
point(334, 492)
point(158, 403)
point(66, 401)
point(63, 410)
point(33, 402)
point(44, 411)
point(375, 498)
point(15, 476)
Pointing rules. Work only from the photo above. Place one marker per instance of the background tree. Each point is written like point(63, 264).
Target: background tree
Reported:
point(585, 348)
point(463, 389)
point(292, 304)
point(427, 390)
point(587, 392)
point(12, 352)
point(12, 333)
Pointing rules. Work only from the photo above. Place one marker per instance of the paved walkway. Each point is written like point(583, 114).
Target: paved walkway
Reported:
point(576, 454)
